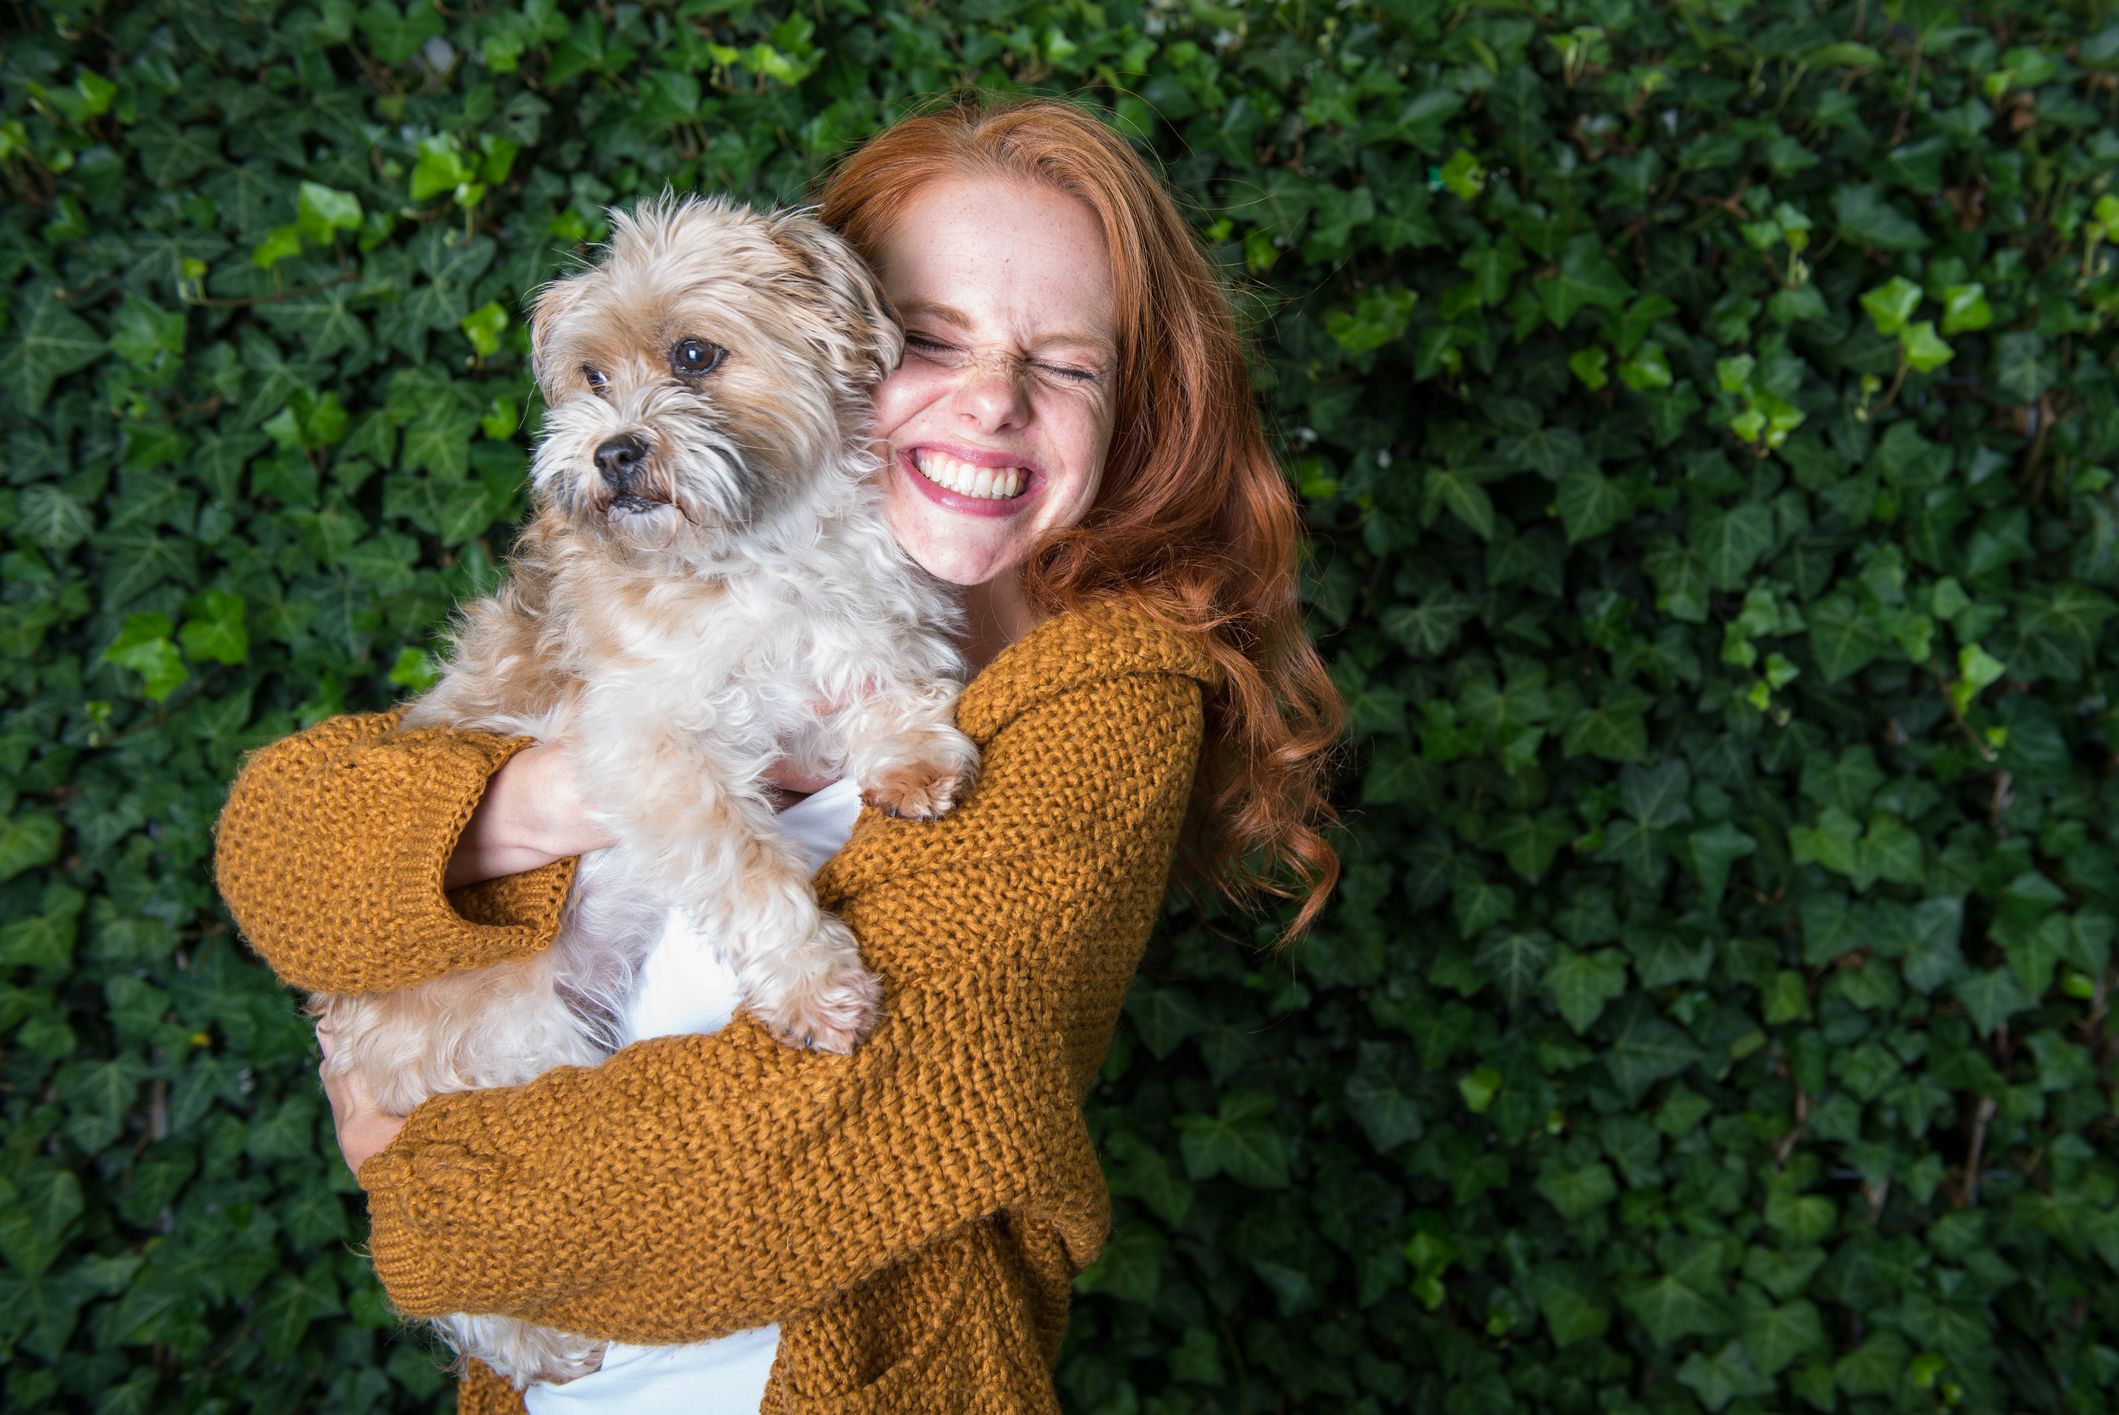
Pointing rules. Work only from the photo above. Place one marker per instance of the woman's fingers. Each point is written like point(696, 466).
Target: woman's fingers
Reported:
point(363, 1126)
point(786, 776)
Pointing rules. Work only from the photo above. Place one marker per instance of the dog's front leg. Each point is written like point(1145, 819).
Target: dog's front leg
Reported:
point(694, 834)
point(904, 750)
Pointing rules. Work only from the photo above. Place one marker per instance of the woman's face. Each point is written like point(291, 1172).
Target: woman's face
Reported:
point(998, 419)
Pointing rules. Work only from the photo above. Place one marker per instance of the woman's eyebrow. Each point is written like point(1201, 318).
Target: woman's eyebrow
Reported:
point(948, 314)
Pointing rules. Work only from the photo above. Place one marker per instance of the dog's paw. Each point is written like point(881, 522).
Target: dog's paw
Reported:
point(833, 1014)
point(927, 787)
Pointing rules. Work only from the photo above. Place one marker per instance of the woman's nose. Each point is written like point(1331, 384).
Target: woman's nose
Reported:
point(994, 395)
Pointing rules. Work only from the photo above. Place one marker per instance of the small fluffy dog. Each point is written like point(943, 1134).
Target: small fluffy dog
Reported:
point(706, 584)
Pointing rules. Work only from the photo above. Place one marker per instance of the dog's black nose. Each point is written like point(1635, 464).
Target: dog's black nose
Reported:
point(619, 459)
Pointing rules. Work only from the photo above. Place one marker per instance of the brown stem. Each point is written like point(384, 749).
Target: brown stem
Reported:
point(246, 301)
point(2034, 460)
point(1898, 381)
point(1876, 1194)
point(1968, 1192)
point(1898, 134)
point(1786, 1146)
point(1942, 685)
point(2000, 800)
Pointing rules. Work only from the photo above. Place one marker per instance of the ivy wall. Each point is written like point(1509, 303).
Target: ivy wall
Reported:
point(1705, 412)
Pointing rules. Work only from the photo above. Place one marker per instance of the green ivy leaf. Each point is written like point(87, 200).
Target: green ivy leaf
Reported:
point(1723, 1377)
point(1530, 843)
point(1242, 1140)
point(1991, 998)
point(484, 327)
point(320, 212)
point(1965, 309)
point(1461, 492)
point(1380, 316)
point(1515, 963)
point(143, 646)
point(1646, 368)
point(1874, 1367)
point(1925, 352)
point(1732, 541)
point(215, 628)
point(1584, 983)
point(1657, 796)
point(1615, 729)
point(37, 1214)
point(1590, 503)
point(50, 343)
point(1645, 1049)
point(1577, 1191)
point(1866, 218)
point(1377, 1098)
point(1584, 275)
point(1713, 850)
point(1572, 1301)
point(1843, 638)
point(1684, 1301)
point(1891, 304)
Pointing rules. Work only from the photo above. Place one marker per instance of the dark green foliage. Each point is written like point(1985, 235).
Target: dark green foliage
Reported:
point(1706, 415)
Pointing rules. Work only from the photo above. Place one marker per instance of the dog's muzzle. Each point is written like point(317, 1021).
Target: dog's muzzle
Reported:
point(620, 460)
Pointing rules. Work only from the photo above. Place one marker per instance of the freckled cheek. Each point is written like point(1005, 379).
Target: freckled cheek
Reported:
point(903, 394)
point(1080, 430)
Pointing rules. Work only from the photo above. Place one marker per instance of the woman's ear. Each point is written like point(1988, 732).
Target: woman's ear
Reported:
point(550, 308)
point(858, 332)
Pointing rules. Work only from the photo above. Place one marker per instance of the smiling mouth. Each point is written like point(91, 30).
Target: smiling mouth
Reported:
point(964, 479)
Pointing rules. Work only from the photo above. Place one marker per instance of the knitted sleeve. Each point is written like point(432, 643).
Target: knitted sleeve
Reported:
point(331, 849)
point(694, 1185)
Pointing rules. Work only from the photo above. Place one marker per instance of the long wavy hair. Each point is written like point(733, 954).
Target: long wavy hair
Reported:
point(1194, 518)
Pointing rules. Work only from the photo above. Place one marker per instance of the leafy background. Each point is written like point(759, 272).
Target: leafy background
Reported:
point(1706, 417)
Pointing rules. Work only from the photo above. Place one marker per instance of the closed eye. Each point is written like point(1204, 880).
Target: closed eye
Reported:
point(938, 350)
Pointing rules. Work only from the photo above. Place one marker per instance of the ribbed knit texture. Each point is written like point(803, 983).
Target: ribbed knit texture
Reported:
point(913, 1214)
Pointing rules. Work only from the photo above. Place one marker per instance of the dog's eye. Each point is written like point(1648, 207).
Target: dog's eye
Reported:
point(595, 377)
point(695, 358)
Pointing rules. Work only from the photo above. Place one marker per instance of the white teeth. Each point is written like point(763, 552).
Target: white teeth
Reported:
point(982, 483)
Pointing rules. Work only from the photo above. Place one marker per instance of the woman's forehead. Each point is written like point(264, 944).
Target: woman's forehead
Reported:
point(995, 257)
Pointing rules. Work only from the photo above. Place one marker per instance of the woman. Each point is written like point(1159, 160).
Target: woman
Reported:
point(1071, 438)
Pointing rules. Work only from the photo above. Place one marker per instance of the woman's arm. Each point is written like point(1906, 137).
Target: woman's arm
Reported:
point(532, 814)
point(698, 1184)
point(391, 796)
point(335, 849)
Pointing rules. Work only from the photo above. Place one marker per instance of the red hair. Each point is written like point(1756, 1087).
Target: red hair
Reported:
point(1193, 518)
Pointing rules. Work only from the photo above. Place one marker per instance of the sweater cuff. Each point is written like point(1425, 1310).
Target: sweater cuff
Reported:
point(421, 1189)
point(436, 933)
point(333, 847)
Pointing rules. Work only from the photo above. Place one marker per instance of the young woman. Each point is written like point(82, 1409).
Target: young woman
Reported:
point(1072, 439)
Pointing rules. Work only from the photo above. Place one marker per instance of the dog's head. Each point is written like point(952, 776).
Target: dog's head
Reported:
point(714, 365)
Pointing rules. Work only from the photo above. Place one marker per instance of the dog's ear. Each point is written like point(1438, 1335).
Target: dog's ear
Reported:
point(549, 309)
point(859, 332)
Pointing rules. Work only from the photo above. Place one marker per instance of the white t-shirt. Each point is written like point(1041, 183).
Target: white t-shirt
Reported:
point(685, 988)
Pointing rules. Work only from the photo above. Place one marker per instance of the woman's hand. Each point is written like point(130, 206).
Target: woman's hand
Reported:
point(533, 813)
point(363, 1126)
point(790, 783)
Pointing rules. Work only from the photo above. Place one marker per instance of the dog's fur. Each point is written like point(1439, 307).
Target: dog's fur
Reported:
point(680, 612)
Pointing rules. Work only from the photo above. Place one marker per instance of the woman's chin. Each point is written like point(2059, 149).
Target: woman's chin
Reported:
point(952, 565)
point(958, 550)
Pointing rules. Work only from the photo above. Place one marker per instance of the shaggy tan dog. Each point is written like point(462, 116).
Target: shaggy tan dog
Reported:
point(706, 585)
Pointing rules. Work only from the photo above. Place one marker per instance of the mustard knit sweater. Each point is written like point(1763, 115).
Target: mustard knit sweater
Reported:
point(913, 1214)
